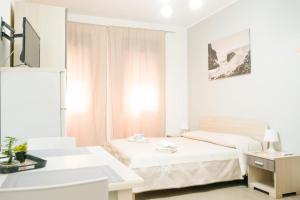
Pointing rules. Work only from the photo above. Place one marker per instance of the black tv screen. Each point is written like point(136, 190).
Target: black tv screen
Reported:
point(30, 54)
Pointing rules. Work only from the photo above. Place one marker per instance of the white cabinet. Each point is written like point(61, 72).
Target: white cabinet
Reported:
point(50, 24)
point(32, 102)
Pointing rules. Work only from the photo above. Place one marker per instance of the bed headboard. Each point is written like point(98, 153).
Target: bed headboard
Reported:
point(252, 128)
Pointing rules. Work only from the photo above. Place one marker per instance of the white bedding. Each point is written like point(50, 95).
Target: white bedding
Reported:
point(143, 155)
point(242, 144)
point(195, 163)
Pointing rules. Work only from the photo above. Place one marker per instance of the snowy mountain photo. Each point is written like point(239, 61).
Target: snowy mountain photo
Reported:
point(230, 56)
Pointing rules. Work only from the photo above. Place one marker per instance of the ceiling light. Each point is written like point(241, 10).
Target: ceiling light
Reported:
point(166, 11)
point(195, 4)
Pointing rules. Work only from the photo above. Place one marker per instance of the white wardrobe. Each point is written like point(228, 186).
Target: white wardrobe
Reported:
point(32, 102)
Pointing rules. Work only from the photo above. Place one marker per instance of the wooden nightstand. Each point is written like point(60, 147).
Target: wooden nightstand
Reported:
point(274, 173)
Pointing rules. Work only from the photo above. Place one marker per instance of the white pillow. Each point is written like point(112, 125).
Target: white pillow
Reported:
point(225, 139)
point(241, 143)
point(211, 137)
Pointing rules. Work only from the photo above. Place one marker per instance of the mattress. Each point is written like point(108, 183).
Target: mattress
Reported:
point(195, 163)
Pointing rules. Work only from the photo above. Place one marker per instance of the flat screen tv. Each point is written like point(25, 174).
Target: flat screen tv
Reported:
point(30, 54)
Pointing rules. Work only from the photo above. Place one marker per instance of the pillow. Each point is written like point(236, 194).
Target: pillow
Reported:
point(241, 143)
point(227, 140)
point(211, 137)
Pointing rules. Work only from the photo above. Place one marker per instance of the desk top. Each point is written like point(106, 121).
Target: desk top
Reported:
point(86, 158)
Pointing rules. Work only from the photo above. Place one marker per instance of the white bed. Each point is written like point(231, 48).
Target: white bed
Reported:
point(196, 162)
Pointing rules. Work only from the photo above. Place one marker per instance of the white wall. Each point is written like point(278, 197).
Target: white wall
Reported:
point(176, 82)
point(5, 13)
point(176, 66)
point(272, 92)
point(50, 24)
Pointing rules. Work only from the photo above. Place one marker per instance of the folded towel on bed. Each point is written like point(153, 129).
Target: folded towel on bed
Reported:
point(139, 138)
point(165, 146)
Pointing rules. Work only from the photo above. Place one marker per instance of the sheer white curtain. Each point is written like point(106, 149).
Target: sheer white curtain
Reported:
point(116, 83)
point(137, 82)
point(86, 85)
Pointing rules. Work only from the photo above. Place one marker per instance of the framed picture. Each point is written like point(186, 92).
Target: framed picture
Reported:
point(230, 56)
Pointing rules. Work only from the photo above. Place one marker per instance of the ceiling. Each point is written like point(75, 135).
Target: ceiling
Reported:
point(143, 10)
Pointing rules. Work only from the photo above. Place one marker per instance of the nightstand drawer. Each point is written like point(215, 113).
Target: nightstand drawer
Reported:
point(261, 163)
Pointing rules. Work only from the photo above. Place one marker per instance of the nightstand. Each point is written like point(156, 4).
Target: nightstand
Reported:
point(274, 173)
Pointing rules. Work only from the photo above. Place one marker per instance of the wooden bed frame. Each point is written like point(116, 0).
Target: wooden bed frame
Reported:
point(252, 128)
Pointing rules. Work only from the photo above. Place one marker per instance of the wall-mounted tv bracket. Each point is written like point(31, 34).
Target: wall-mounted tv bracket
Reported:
point(11, 37)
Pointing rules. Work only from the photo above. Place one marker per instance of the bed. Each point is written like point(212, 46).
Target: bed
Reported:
point(212, 154)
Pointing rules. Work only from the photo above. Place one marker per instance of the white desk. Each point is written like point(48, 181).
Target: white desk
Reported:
point(96, 156)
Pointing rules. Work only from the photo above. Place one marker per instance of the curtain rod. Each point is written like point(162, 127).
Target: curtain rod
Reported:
point(141, 28)
point(123, 26)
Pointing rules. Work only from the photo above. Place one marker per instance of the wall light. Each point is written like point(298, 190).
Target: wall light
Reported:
point(166, 11)
point(195, 4)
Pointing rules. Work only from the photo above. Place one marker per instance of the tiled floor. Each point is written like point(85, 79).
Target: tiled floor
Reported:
point(224, 191)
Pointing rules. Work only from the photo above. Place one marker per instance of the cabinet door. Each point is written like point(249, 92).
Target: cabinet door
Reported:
point(30, 104)
point(50, 24)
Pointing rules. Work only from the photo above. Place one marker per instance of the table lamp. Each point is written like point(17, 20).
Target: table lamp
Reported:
point(271, 137)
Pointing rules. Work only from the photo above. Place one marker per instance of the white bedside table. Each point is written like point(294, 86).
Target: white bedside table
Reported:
point(274, 173)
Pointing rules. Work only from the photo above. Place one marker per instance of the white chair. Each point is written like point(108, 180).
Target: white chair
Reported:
point(51, 143)
point(90, 190)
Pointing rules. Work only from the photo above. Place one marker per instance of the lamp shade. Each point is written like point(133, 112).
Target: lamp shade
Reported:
point(271, 136)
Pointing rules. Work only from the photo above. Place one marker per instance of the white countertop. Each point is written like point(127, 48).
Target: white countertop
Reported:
point(97, 157)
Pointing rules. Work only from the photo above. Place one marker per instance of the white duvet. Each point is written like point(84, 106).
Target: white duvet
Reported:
point(200, 159)
point(143, 155)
